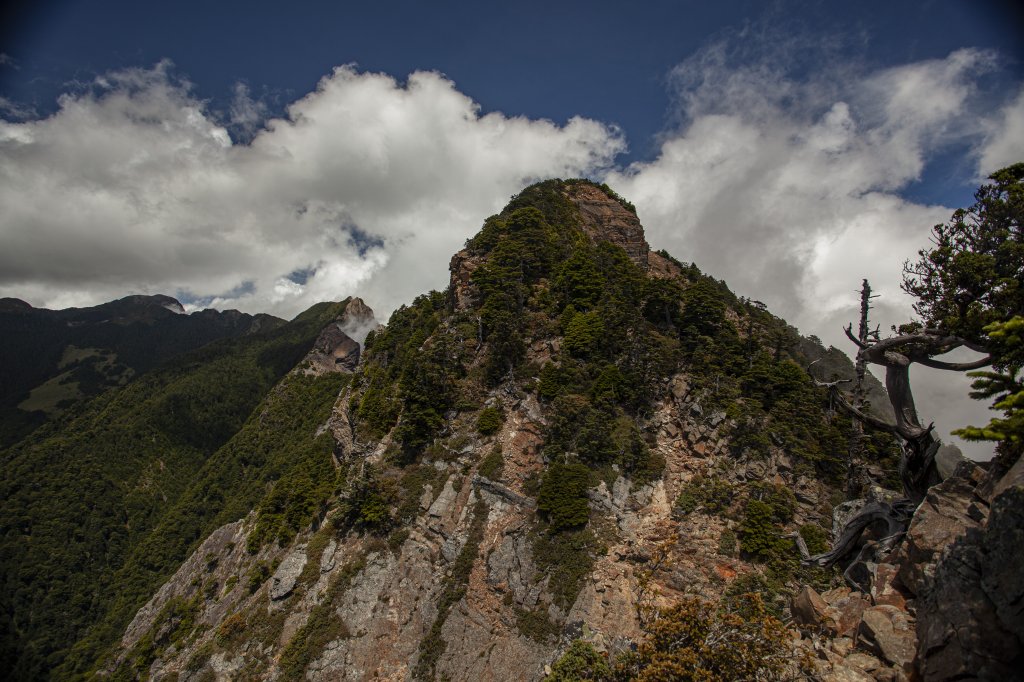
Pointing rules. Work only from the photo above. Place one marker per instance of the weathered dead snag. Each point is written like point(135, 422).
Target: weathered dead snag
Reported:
point(917, 470)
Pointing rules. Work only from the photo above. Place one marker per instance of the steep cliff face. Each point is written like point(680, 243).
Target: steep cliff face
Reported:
point(578, 434)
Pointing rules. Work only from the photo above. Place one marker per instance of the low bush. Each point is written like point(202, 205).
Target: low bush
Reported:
point(489, 421)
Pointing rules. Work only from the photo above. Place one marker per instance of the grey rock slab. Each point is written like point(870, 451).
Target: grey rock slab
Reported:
point(287, 574)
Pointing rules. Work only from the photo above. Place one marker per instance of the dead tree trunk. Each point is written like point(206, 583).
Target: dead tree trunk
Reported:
point(917, 469)
point(854, 482)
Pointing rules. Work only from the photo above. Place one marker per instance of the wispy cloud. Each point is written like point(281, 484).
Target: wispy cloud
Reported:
point(789, 183)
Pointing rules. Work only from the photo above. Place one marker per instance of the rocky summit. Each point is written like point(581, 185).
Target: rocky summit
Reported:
point(583, 460)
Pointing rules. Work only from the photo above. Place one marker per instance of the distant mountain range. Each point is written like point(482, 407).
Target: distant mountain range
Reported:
point(52, 359)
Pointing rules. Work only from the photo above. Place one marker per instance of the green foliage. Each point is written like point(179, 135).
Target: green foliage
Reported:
point(175, 622)
point(523, 247)
point(759, 536)
point(815, 537)
point(424, 359)
point(577, 425)
point(415, 478)
point(493, 463)
point(779, 499)
point(563, 495)
point(1005, 388)
point(291, 506)
point(581, 661)
point(583, 333)
point(427, 386)
point(567, 558)
point(489, 421)
point(971, 275)
point(257, 575)
point(695, 641)
point(709, 494)
point(139, 463)
point(65, 357)
point(536, 624)
point(378, 408)
point(366, 505)
point(578, 282)
point(727, 543)
point(703, 315)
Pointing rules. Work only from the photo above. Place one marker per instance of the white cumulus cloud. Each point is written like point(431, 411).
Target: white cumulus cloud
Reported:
point(366, 187)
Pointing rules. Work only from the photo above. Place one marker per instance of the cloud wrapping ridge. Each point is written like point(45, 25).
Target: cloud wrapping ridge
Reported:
point(790, 184)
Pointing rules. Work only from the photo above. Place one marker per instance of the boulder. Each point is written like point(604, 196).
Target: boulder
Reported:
point(679, 387)
point(809, 608)
point(944, 516)
point(889, 633)
point(885, 587)
point(844, 610)
point(287, 574)
point(971, 620)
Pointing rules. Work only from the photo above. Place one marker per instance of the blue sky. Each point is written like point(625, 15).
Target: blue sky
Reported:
point(266, 156)
point(602, 60)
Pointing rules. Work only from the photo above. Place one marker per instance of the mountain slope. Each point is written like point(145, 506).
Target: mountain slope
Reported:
point(55, 358)
point(577, 432)
point(80, 497)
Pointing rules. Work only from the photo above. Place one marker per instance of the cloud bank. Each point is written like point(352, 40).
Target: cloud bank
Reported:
point(367, 187)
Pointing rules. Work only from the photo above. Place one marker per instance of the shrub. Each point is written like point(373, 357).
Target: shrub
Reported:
point(694, 640)
point(779, 499)
point(258, 575)
point(367, 505)
point(535, 624)
point(493, 463)
point(581, 661)
point(727, 543)
point(563, 496)
point(710, 494)
point(489, 421)
point(816, 538)
point(566, 558)
point(583, 333)
point(758, 535)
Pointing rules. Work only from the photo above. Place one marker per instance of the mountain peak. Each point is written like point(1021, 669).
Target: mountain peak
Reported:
point(549, 221)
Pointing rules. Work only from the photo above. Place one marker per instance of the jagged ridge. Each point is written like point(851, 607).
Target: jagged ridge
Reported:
point(536, 436)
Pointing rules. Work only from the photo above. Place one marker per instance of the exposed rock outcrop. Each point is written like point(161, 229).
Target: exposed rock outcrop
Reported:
point(971, 617)
point(335, 350)
point(606, 219)
point(947, 512)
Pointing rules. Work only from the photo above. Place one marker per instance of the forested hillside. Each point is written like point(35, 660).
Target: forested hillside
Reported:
point(53, 359)
point(81, 495)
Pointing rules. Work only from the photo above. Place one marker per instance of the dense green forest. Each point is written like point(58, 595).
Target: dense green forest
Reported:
point(100, 507)
point(54, 358)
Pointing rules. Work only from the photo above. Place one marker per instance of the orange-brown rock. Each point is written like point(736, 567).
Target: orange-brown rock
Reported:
point(605, 219)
